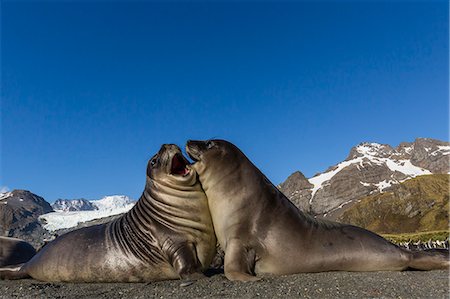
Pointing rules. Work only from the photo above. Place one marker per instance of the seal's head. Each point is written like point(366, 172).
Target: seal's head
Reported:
point(169, 164)
point(204, 151)
point(215, 159)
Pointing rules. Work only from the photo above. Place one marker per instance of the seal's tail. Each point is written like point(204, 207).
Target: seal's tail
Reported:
point(431, 259)
point(13, 272)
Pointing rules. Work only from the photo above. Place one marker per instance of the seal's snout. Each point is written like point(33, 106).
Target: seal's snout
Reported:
point(173, 160)
point(193, 149)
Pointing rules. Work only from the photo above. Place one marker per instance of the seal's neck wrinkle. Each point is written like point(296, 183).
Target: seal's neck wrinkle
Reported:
point(164, 204)
point(176, 208)
point(132, 234)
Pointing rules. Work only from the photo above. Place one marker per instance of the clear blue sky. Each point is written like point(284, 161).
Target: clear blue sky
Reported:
point(91, 90)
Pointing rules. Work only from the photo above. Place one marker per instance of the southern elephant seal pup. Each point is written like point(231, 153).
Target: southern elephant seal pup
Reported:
point(15, 251)
point(261, 231)
point(168, 234)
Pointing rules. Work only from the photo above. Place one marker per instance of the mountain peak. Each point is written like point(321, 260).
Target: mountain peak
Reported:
point(18, 198)
point(19, 210)
point(296, 180)
point(370, 167)
point(112, 202)
point(70, 205)
point(371, 149)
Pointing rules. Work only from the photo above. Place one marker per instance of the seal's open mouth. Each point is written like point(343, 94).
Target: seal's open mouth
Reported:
point(179, 165)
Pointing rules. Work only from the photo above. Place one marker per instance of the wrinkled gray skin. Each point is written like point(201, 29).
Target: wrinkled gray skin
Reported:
point(168, 234)
point(15, 251)
point(261, 231)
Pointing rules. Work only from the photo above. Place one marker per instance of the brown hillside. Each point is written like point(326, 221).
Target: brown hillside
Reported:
point(416, 205)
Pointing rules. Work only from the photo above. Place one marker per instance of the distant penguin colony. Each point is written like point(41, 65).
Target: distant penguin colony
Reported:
point(430, 244)
point(185, 209)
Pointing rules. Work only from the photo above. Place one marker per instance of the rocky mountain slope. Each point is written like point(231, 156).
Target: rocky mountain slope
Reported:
point(19, 211)
point(416, 205)
point(369, 168)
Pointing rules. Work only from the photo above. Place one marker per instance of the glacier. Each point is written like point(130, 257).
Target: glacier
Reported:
point(107, 206)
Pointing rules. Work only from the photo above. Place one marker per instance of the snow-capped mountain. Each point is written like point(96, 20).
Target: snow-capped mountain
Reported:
point(369, 168)
point(113, 202)
point(71, 205)
point(67, 217)
point(106, 203)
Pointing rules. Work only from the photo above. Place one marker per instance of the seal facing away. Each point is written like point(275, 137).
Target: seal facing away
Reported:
point(168, 234)
point(15, 251)
point(261, 231)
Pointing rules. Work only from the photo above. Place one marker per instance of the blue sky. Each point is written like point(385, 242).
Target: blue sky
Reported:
point(90, 90)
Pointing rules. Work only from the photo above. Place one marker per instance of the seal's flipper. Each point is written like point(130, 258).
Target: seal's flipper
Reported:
point(240, 276)
point(13, 272)
point(184, 259)
point(433, 259)
point(239, 262)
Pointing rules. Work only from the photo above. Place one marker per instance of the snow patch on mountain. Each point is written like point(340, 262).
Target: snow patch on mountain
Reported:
point(405, 167)
point(5, 195)
point(319, 180)
point(442, 149)
point(107, 206)
point(385, 184)
point(372, 149)
point(339, 207)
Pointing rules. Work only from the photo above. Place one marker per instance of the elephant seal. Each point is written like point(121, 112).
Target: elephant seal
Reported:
point(15, 251)
point(261, 231)
point(168, 234)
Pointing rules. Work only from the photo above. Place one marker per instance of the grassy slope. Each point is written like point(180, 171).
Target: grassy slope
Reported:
point(414, 237)
point(417, 205)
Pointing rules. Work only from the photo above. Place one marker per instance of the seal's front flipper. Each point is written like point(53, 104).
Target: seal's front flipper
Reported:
point(13, 272)
point(185, 261)
point(239, 262)
point(240, 276)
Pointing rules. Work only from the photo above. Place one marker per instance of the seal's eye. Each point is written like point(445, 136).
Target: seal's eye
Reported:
point(209, 144)
point(153, 162)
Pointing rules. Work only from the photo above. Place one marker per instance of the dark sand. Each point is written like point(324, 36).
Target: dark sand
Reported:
point(409, 284)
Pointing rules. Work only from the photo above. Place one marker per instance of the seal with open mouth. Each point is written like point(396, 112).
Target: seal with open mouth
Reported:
point(168, 234)
point(261, 231)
